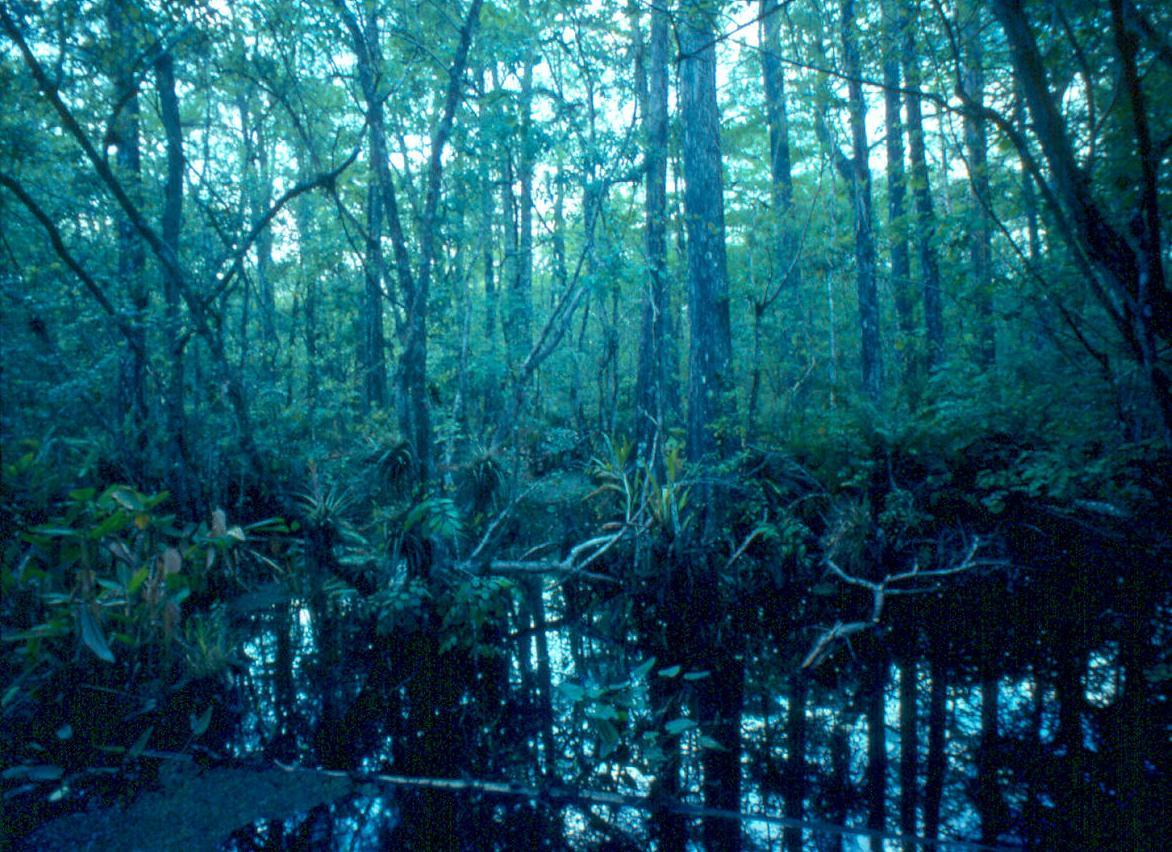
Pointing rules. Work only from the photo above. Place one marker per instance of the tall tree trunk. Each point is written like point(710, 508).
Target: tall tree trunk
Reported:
point(990, 805)
point(365, 39)
point(976, 148)
point(651, 377)
point(710, 382)
point(937, 758)
point(909, 748)
point(785, 240)
point(371, 351)
point(266, 293)
point(856, 170)
point(796, 729)
point(894, 22)
point(877, 746)
point(522, 285)
point(374, 367)
point(124, 137)
point(414, 357)
point(175, 410)
point(670, 830)
point(922, 195)
point(711, 406)
point(839, 792)
point(311, 300)
point(486, 223)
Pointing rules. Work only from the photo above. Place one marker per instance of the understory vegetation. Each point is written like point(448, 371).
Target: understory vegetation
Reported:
point(529, 424)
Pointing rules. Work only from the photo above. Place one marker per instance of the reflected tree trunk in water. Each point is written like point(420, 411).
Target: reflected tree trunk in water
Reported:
point(876, 699)
point(990, 805)
point(795, 788)
point(909, 745)
point(937, 759)
point(838, 792)
point(669, 830)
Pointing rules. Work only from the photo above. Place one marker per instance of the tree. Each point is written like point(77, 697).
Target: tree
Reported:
point(1125, 265)
point(711, 401)
point(654, 368)
point(856, 170)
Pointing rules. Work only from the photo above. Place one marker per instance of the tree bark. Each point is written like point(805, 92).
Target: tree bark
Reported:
point(937, 758)
point(922, 195)
point(857, 171)
point(894, 23)
point(710, 385)
point(877, 747)
point(796, 731)
point(124, 138)
point(909, 748)
point(990, 805)
point(652, 369)
point(175, 410)
point(976, 148)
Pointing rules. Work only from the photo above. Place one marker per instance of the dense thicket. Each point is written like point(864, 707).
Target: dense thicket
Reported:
point(765, 406)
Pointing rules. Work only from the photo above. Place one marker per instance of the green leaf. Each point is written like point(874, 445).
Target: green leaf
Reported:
point(608, 736)
point(141, 743)
point(602, 711)
point(37, 772)
point(198, 726)
point(572, 691)
point(697, 675)
point(126, 498)
point(136, 580)
point(670, 671)
point(709, 743)
point(642, 669)
point(53, 532)
point(678, 726)
point(92, 636)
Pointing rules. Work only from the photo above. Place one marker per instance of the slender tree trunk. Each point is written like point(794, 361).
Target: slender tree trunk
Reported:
point(937, 758)
point(302, 215)
point(414, 358)
point(175, 407)
point(976, 148)
point(877, 747)
point(840, 793)
point(922, 195)
point(669, 830)
point(785, 239)
point(522, 285)
point(858, 171)
point(909, 747)
point(486, 224)
point(124, 137)
point(651, 378)
point(894, 22)
point(796, 785)
point(372, 368)
point(990, 805)
point(266, 292)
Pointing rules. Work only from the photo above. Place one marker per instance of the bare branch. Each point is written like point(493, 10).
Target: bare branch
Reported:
point(915, 581)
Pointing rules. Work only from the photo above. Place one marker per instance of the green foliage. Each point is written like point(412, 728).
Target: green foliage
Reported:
point(402, 610)
point(104, 597)
point(469, 608)
point(435, 517)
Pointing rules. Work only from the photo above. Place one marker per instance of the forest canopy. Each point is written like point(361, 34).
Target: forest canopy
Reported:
point(691, 408)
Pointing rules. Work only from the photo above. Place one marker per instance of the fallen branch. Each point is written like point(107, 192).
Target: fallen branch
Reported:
point(913, 582)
